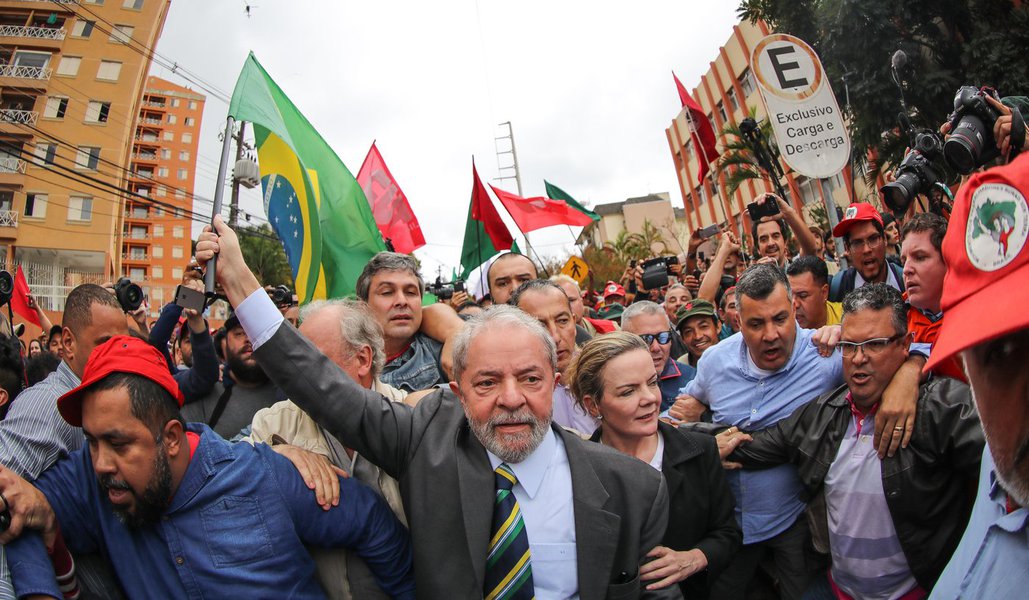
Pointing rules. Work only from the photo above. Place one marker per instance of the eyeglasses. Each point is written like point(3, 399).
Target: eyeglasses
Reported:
point(662, 338)
point(871, 243)
point(872, 347)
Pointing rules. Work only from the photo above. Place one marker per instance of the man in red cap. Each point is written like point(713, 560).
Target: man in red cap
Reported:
point(614, 302)
point(180, 511)
point(863, 235)
point(985, 293)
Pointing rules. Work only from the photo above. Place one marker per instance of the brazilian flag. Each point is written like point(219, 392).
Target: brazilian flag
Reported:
point(312, 201)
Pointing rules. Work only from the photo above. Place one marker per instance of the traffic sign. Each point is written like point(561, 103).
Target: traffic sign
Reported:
point(577, 269)
point(802, 108)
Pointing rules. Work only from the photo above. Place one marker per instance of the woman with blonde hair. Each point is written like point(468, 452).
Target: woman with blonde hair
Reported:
point(614, 379)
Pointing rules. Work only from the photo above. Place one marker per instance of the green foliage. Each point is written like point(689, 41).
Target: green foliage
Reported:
point(264, 255)
point(949, 43)
point(737, 161)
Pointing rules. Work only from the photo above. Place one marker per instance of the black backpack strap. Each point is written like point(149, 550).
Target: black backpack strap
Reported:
point(219, 408)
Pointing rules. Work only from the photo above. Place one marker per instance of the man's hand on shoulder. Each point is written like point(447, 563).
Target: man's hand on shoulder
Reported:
point(895, 419)
point(318, 473)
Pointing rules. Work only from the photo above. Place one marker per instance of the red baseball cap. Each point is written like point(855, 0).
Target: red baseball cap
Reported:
point(120, 354)
point(986, 288)
point(613, 289)
point(856, 213)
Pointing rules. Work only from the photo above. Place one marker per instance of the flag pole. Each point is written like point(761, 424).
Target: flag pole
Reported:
point(219, 194)
point(702, 152)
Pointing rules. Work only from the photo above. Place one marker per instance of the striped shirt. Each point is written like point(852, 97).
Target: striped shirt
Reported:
point(33, 436)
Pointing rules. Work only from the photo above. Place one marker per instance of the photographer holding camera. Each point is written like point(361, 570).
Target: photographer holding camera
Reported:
point(770, 230)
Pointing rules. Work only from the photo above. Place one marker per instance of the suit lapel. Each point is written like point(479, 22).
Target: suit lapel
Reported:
point(477, 493)
point(678, 449)
point(596, 529)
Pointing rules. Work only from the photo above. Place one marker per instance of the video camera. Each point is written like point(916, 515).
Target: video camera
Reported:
point(656, 271)
point(445, 291)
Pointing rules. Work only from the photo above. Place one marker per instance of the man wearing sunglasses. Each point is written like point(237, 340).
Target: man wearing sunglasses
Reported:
point(863, 235)
point(650, 321)
point(892, 523)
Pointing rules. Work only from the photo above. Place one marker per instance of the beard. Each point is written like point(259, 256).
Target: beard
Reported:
point(149, 507)
point(246, 372)
point(510, 448)
point(1007, 470)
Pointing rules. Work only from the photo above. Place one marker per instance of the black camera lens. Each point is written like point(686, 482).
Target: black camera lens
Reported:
point(898, 194)
point(6, 287)
point(130, 295)
point(964, 147)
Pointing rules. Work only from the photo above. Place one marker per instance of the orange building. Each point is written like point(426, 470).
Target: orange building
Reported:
point(71, 74)
point(156, 235)
point(728, 92)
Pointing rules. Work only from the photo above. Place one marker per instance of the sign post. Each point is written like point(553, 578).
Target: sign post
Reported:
point(803, 111)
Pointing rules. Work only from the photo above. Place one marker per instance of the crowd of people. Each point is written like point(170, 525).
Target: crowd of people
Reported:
point(782, 425)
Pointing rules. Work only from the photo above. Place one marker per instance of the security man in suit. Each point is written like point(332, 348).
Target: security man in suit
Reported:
point(501, 503)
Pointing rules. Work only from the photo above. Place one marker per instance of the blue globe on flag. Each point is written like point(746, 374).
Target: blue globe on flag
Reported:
point(283, 210)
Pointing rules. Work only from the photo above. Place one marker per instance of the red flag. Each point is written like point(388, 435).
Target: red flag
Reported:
point(485, 233)
point(20, 300)
point(536, 213)
point(701, 131)
point(393, 214)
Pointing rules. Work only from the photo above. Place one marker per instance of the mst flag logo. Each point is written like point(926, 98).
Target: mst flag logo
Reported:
point(998, 225)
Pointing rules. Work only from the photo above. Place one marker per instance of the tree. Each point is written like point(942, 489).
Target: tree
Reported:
point(949, 43)
point(264, 255)
point(738, 161)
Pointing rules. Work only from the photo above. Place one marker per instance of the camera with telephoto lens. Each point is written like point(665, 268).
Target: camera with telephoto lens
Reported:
point(281, 295)
point(656, 271)
point(971, 143)
point(6, 287)
point(445, 291)
point(916, 173)
point(130, 295)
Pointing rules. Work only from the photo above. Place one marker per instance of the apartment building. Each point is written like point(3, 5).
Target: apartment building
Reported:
point(71, 77)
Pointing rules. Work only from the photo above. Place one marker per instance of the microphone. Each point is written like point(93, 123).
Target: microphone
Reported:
point(899, 60)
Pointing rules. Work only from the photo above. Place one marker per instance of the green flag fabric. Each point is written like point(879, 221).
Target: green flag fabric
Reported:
point(558, 194)
point(313, 202)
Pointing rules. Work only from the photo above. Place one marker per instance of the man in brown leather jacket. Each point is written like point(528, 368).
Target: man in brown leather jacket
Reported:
point(892, 523)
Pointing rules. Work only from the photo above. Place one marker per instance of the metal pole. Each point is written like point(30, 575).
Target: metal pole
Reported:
point(219, 193)
point(830, 213)
point(234, 202)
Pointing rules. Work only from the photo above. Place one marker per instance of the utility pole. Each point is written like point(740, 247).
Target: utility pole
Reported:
point(517, 176)
point(234, 200)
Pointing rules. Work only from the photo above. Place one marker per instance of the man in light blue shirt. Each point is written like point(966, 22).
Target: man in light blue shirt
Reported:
point(754, 380)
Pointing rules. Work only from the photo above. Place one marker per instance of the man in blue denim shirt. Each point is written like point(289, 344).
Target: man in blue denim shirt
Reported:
point(752, 381)
point(179, 511)
point(393, 289)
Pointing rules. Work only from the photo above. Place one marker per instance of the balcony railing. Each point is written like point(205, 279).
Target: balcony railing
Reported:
point(12, 165)
point(145, 155)
point(40, 33)
point(153, 104)
point(149, 121)
point(24, 72)
point(12, 115)
point(8, 218)
point(135, 235)
point(133, 256)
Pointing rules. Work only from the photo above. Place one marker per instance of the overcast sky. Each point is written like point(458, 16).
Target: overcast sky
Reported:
point(586, 85)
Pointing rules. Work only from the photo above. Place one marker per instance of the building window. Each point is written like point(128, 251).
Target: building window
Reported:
point(190, 121)
point(169, 136)
point(734, 104)
point(158, 231)
point(109, 70)
point(180, 194)
point(184, 155)
point(27, 58)
point(183, 174)
point(80, 208)
point(158, 211)
point(88, 157)
point(55, 107)
point(137, 273)
point(701, 197)
point(178, 232)
point(747, 82)
point(162, 171)
point(97, 2)
point(178, 212)
point(166, 153)
point(176, 251)
point(713, 126)
point(187, 138)
point(122, 34)
point(158, 273)
point(721, 113)
point(175, 102)
point(192, 105)
point(97, 112)
point(158, 251)
point(133, 4)
point(35, 205)
point(45, 154)
point(82, 29)
point(176, 273)
point(69, 66)
point(162, 191)
point(172, 119)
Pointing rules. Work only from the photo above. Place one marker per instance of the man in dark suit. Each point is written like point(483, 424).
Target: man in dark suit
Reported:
point(501, 503)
